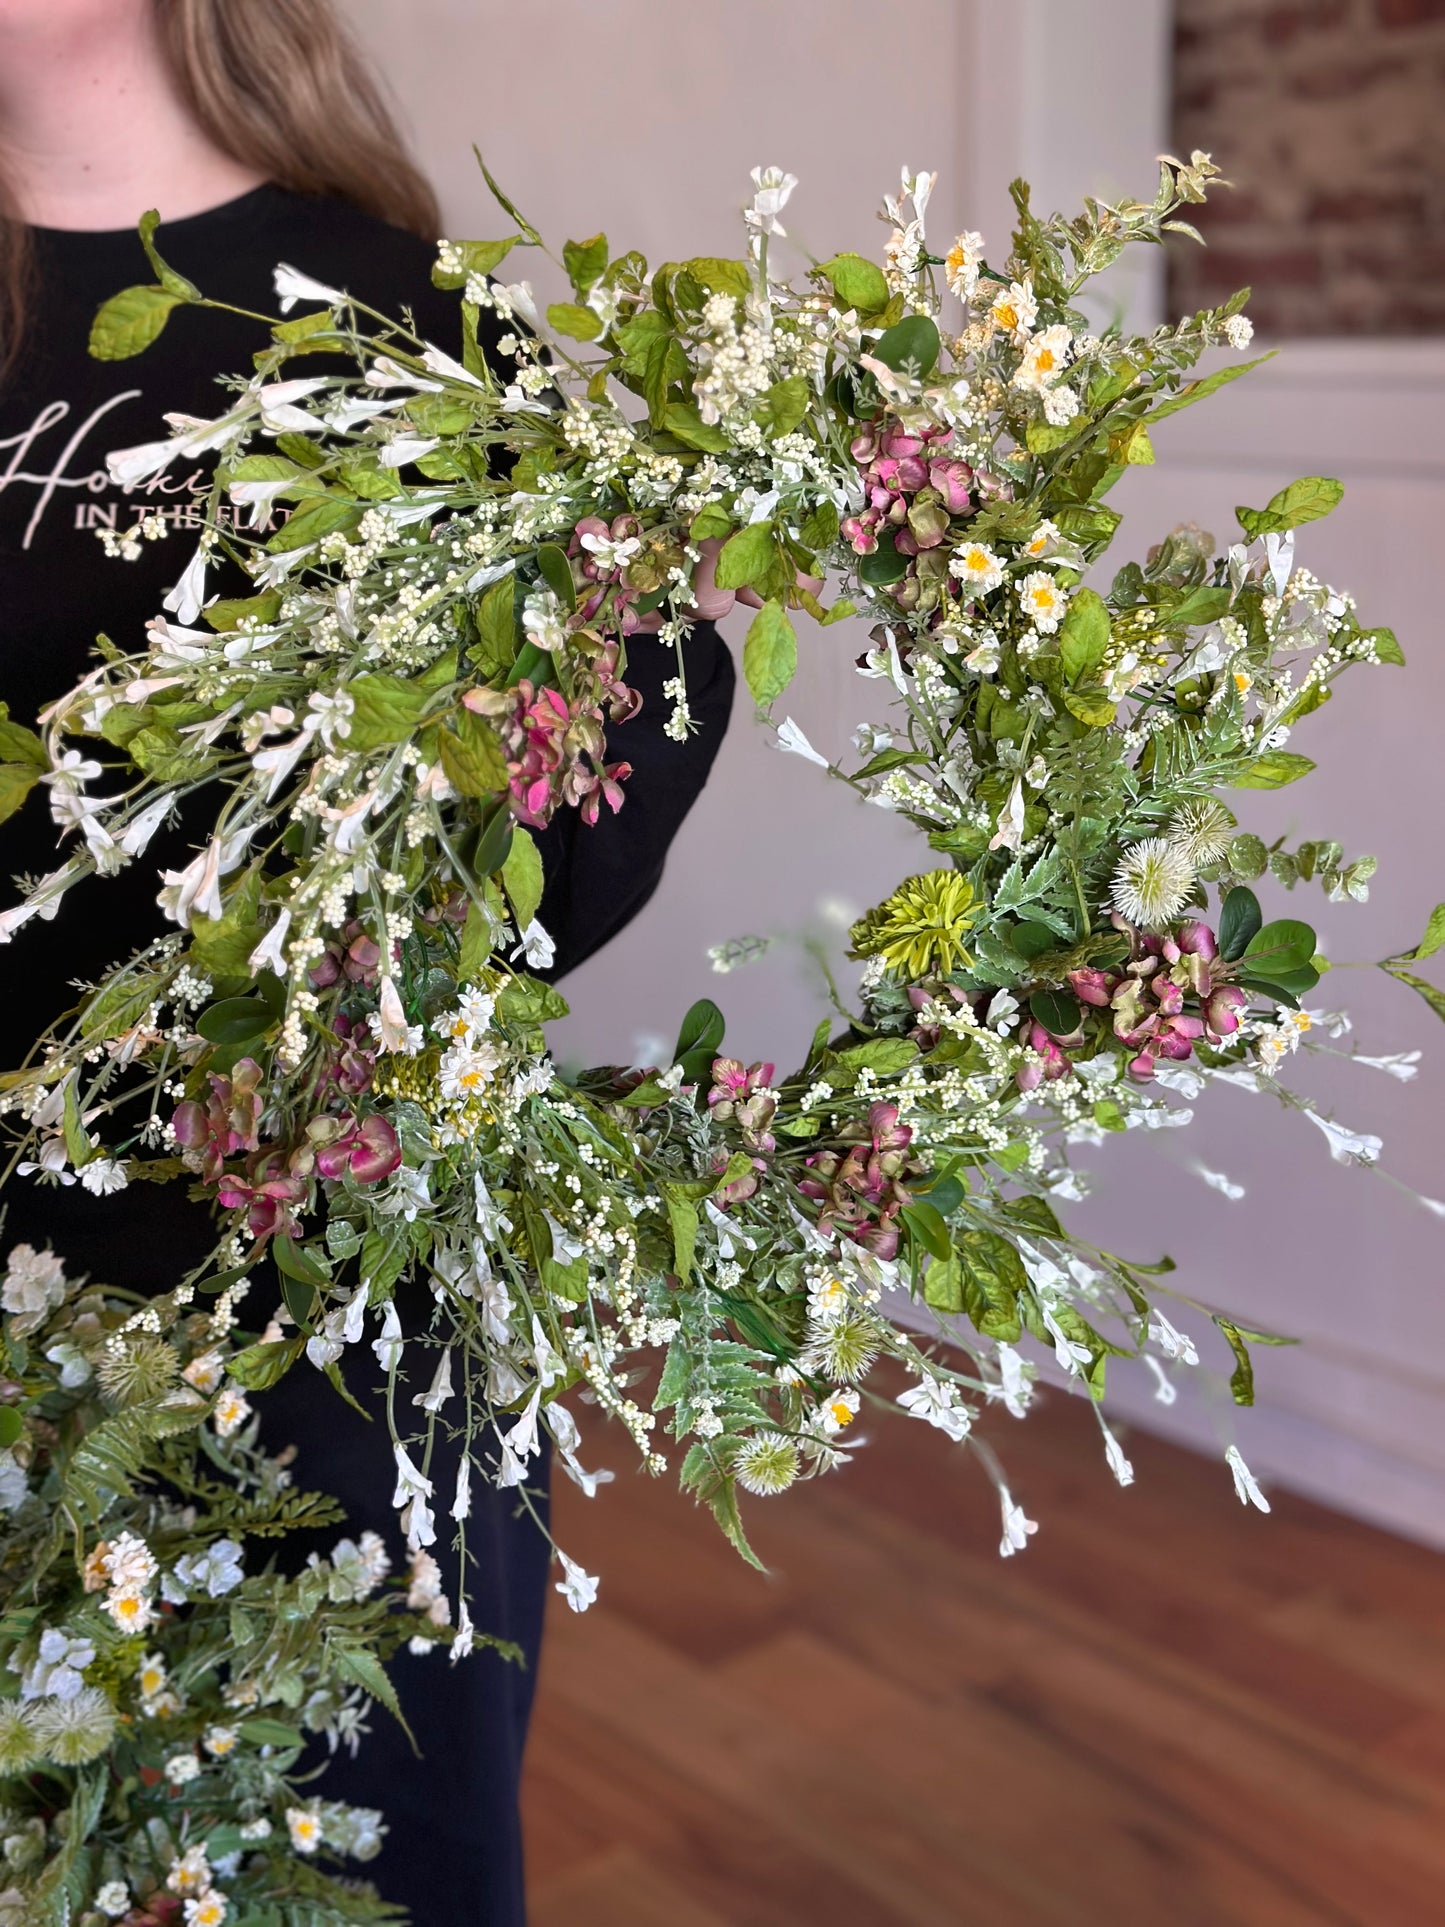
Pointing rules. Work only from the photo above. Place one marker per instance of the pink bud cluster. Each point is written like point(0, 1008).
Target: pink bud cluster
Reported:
point(1172, 994)
point(860, 1188)
point(594, 578)
point(554, 749)
point(912, 488)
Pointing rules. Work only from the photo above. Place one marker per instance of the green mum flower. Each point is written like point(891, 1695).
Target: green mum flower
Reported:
point(919, 931)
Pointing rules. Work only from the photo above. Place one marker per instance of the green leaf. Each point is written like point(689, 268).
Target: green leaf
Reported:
point(1432, 940)
point(1084, 633)
point(1108, 1116)
point(1057, 1012)
point(1271, 771)
point(522, 878)
point(235, 1020)
point(1386, 646)
point(746, 557)
point(528, 232)
point(387, 710)
point(259, 1367)
point(819, 527)
point(262, 1732)
point(1307, 500)
point(472, 756)
point(556, 572)
point(16, 782)
point(229, 612)
point(720, 275)
point(1092, 706)
point(1210, 384)
point(585, 262)
point(221, 946)
point(1278, 950)
point(129, 322)
point(12, 1425)
point(683, 1218)
point(319, 516)
point(172, 282)
point(1241, 1383)
point(496, 627)
point(909, 347)
point(712, 519)
point(1240, 922)
point(1132, 447)
point(1433, 996)
point(478, 258)
point(681, 418)
point(78, 1147)
point(364, 1669)
point(296, 1261)
point(699, 1040)
point(18, 744)
point(926, 1227)
point(884, 566)
point(770, 653)
point(716, 1488)
point(527, 1001)
point(858, 283)
point(783, 407)
point(568, 318)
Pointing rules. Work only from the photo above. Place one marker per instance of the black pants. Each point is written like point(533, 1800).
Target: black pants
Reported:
point(454, 1849)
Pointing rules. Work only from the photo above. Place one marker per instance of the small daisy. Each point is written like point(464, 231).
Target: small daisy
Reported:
point(232, 1410)
point(131, 1610)
point(181, 1767)
point(1043, 601)
point(961, 264)
point(220, 1740)
point(191, 1874)
point(1014, 310)
point(151, 1679)
point(839, 1410)
point(210, 1910)
point(1152, 882)
point(1044, 358)
point(205, 1372)
point(827, 1298)
point(467, 1069)
point(1041, 541)
point(977, 567)
point(114, 1899)
point(304, 1826)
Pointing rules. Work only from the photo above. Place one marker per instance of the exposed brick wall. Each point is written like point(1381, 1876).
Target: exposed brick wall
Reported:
point(1329, 117)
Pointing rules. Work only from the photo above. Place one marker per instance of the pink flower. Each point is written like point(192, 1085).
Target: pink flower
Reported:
point(1047, 1062)
point(952, 479)
point(1222, 1010)
point(227, 1123)
point(369, 1150)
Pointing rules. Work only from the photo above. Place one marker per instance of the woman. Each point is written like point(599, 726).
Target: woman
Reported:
point(256, 130)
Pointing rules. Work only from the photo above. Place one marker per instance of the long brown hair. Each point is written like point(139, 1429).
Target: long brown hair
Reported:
point(280, 86)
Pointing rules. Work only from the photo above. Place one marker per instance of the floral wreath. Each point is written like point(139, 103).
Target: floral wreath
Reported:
point(340, 1043)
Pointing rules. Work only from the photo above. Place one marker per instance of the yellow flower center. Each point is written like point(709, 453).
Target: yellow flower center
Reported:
point(1006, 314)
point(842, 1414)
point(1242, 681)
point(1046, 360)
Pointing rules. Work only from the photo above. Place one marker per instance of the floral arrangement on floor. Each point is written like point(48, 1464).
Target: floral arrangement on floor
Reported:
point(339, 1041)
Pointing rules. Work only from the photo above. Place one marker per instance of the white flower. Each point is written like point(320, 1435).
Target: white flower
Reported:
point(410, 1497)
point(141, 828)
point(462, 1645)
point(102, 1176)
point(961, 264)
point(1014, 310)
point(188, 597)
point(1015, 1381)
point(935, 1400)
point(792, 740)
point(269, 953)
point(443, 364)
point(34, 1286)
point(216, 1571)
point(402, 449)
point(1245, 1485)
point(1114, 1454)
point(388, 1347)
point(230, 1412)
point(114, 1899)
point(1173, 1343)
point(196, 890)
point(462, 1502)
point(1017, 1529)
point(278, 412)
point(208, 1909)
point(181, 1767)
point(293, 286)
point(1042, 601)
point(304, 1826)
point(468, 1068)
point(1347, 1147)
point(191, 1873)
point(535, 946)
point(1239, 331)
point(1402, 1064)
point(1202, 830)
point(983, 658)
point(578, 1588)
point(1009, 830)
point(838, 1410)
point(390, 1019)
point(766, 1463)
point(609, 553)
point(1217, 1180)
point(1152, 882)
point(441, 1385)
point(59, 1665)
point(977, 567)
point(773, 190)
point(1044, 359)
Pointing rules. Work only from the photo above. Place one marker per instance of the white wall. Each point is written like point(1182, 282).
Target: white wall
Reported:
point(644, 117)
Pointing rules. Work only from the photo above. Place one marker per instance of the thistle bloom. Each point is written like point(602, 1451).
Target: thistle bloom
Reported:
point(1152, 882)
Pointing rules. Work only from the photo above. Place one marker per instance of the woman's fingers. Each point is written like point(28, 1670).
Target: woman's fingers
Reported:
point(712, 602)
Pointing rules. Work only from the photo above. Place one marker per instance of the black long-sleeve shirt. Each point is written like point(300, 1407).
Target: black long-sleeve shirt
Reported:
point(60, 413)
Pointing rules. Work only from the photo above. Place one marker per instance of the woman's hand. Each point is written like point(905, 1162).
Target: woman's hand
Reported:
point(713, 603)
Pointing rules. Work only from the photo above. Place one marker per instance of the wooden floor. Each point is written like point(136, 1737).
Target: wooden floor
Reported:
point(1168, 1710)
